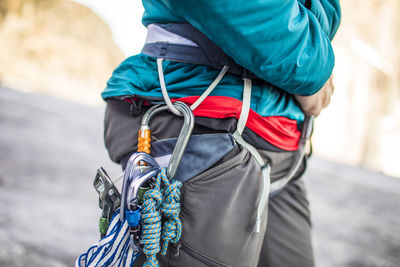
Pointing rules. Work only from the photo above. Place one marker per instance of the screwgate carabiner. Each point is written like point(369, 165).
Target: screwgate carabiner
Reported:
point(144, 135)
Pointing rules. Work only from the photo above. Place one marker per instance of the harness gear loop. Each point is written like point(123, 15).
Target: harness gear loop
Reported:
point(164, 88)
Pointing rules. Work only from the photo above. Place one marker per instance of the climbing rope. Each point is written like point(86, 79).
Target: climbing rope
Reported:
point(164, 199)
point(170, 208)
point(151, 223)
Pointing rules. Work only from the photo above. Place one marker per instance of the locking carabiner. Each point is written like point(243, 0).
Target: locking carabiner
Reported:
point(142, 167)
point(134, 178)
point(144, 135)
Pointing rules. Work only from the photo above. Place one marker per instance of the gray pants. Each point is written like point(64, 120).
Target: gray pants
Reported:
point(219, 205)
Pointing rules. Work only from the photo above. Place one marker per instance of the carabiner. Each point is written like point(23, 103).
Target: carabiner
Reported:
point(134, 176)
point(142, 167)
point(109, 198)
point(144, 135)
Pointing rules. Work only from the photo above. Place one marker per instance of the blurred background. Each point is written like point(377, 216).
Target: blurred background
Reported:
point(55, 58)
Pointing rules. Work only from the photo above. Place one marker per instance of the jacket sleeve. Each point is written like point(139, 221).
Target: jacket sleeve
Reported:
point(328, 14)
point(280, 41)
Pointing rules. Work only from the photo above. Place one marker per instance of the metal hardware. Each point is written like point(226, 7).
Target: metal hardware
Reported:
point(109, 198)
point(183, 137)
point(133, 174)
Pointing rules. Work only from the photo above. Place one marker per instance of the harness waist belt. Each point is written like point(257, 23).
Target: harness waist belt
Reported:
point(184, 43)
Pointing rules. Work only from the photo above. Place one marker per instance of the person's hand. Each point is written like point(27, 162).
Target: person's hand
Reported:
point(313, 104)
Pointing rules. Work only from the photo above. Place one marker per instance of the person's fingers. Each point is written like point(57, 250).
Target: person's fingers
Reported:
point(313, 104)
point(330, 88)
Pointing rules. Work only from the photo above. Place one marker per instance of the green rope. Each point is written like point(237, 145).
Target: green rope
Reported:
point(164, 199)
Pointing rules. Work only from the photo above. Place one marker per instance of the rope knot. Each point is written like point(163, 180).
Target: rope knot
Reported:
point(163, 199)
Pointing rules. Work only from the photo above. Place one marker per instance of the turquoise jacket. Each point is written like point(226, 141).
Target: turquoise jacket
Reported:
point(285, 42)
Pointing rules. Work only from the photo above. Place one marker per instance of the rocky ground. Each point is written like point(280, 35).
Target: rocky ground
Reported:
point(49, 152)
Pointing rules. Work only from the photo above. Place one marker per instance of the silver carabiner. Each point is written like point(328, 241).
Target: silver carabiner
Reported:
point(134, 178)
point(183, 138)
point(142, 167)
point(184, 135)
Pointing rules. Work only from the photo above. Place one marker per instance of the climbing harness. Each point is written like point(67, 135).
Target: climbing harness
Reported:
point(182, 42)
point(145, 216)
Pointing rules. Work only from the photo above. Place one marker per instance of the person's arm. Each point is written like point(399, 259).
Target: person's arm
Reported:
point(280, 41)
point(327, 12)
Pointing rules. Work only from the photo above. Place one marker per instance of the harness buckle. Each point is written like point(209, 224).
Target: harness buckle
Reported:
point(136, 108)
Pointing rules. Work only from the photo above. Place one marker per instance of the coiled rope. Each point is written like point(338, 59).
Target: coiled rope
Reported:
point(170, 208)
point(151, 223)
point(163, 199)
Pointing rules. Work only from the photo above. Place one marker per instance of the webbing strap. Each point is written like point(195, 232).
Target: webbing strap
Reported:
point(265, 168)
point(164, 87)
point(266, 173)
point(199, 100)
point(244, 113)
point(237, 135)
point(184, 43)
point(210, 88)
point(157, 35)
point(253, 151)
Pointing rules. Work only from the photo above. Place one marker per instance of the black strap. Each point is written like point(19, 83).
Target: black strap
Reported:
point(206, 52)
